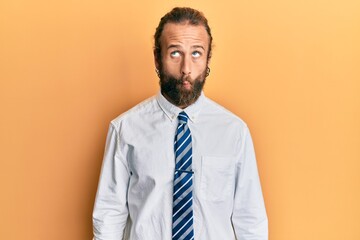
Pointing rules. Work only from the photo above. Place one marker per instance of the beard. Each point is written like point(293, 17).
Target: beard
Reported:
point(175, 92)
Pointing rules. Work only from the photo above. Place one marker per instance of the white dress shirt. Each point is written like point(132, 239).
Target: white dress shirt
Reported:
point(134, 198)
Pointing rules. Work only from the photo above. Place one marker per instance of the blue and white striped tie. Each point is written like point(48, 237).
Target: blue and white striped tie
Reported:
point(182, 197)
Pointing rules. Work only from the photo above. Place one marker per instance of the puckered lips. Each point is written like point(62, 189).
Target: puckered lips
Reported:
point(186, 84)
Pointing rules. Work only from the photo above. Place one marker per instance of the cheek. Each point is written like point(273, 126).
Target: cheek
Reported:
point(171, 65)
point(200, 67)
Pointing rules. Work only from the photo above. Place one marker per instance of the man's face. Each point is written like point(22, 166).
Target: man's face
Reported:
point(183, 63)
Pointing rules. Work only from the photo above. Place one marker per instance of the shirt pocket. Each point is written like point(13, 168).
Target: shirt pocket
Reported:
point(217, 178)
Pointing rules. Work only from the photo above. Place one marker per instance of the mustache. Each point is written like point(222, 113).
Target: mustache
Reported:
point(183, 79)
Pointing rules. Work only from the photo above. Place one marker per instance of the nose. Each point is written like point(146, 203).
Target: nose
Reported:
point(186, 66)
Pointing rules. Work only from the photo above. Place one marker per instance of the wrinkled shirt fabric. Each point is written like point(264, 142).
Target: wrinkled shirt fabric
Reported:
point(134, 196)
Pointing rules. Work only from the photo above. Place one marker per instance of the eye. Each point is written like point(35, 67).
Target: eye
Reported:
point(175, 54)
point(196, 54)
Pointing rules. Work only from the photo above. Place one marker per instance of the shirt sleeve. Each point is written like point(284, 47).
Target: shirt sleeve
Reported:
point(249, 215)
point(110, 209)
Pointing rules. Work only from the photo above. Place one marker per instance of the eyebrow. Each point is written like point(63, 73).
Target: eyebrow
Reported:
point(198, 46)
point(179, 46)
point(174, 46)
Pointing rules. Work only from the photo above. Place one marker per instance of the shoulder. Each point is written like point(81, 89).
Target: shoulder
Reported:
point(223, 114)
point(133, 114)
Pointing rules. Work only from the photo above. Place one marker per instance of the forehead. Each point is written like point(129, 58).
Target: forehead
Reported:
point(184, 33)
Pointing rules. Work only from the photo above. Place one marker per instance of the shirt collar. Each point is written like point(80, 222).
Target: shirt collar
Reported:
point(172, 111)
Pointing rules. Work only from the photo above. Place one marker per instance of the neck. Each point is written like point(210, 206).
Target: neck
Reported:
point(183, 106)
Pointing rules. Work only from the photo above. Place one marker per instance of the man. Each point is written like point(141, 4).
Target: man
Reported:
point(179, 166)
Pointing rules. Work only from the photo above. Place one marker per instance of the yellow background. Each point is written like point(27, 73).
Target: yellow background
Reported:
point(290, 69)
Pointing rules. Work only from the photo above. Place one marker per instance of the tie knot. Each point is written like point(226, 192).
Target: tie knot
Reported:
point(183, 118)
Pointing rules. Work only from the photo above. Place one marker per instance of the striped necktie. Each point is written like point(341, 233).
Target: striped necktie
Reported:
point(182, 197)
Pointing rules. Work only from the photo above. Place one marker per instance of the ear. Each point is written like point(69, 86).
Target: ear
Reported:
point(209, 58)
point(156, 60)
